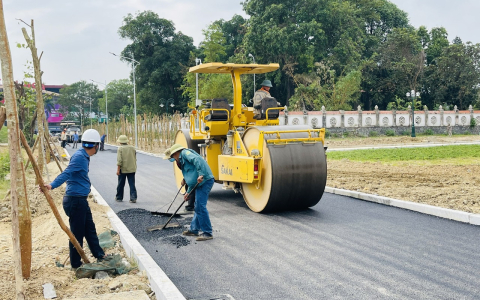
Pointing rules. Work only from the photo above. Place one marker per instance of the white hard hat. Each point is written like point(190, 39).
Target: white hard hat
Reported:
point(91, 136)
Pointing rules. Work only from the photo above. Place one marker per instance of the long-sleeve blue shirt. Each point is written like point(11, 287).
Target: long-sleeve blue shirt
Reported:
point(193, 165)
point(76, 175)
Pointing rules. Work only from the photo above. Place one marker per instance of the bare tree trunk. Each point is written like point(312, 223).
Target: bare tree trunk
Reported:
point(21, 227)
point(38, 89)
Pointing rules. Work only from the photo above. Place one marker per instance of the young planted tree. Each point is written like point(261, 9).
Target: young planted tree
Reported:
point(21, 222)
point(38, 89)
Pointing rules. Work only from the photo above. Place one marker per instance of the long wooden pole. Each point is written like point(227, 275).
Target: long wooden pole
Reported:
point(50, 200)
point(52, 153)
point(33, 150)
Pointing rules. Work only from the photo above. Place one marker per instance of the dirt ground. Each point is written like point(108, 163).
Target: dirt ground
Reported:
point(50, 244)
point(445, 184)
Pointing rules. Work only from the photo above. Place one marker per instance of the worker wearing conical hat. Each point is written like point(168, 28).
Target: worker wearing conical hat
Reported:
point(263, 92)
point(126, 168)
point(195, 170)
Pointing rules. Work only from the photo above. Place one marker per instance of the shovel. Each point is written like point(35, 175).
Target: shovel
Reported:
point(167, 225)
point(158, 213)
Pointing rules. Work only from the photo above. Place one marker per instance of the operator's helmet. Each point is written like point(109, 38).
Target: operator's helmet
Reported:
point(267, 83)
point(90, 138)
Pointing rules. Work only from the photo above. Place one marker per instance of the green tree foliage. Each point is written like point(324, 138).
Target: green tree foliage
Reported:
point(436, 44)
point(75, 100)
point(163, 54)
point(323, 88)
point(213, 46)
point(119, 94)
point(455, 75)
point(233, 31)
point(397, 68)
point(370, 55)
point(297, 34)
point(210, 85)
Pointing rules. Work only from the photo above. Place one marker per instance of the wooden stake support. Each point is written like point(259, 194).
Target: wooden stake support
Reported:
point(53, 153)
point(33, 150)
point(50, 201)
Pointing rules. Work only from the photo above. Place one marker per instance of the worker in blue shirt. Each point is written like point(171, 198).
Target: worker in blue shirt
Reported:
point(75, 140)
point(102, 142)
point(75, 201)
point(195, 170)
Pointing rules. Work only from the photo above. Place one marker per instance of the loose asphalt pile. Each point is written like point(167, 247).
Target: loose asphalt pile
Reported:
point(138, 220)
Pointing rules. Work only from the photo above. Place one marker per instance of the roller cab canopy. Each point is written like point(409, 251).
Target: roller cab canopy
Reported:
point(221, 68)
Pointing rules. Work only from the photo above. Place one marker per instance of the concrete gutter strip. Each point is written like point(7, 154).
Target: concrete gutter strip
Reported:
point(139, 151)
point(160, 283)
point(441, 212)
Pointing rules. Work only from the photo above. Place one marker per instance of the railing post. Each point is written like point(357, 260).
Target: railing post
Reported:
point(360, 121)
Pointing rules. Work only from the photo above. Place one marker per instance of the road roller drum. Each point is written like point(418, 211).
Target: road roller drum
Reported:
point(293, 174)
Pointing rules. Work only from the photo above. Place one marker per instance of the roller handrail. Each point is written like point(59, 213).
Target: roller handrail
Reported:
point(273, 108)
point(218, 109)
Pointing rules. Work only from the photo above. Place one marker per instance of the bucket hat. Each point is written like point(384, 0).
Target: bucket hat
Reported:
point(169, 152)
point(267, 83)
point(122, 139)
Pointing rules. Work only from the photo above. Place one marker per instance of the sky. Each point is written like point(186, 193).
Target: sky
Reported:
point(77, 36)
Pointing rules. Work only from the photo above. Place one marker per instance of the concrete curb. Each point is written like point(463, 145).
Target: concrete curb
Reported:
point(460, 216)
point(139, 151)
point(160, 283)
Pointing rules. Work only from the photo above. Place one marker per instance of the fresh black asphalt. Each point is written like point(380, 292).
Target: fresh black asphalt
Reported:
point(342, 248)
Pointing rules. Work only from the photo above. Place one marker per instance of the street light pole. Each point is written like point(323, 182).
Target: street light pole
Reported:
point(106, 103)
point(171, 101)
point(90, 115)
point(133, 61)
point(197, 62)
point(253, 58)
point(414, 95)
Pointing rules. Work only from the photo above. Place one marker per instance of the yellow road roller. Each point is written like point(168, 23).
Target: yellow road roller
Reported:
point(274, 167)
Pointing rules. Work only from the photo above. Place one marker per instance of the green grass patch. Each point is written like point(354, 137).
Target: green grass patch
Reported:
point(4, 135)
point(409, 154)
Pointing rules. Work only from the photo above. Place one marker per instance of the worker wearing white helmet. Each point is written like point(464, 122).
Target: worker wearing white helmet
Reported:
point(75, 201)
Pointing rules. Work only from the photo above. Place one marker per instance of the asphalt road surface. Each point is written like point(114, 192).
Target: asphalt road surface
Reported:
point(342, 248)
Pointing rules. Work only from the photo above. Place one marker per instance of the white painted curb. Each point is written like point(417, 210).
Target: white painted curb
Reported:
point(441, 212)
point(160, 283)
point(139, 151)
